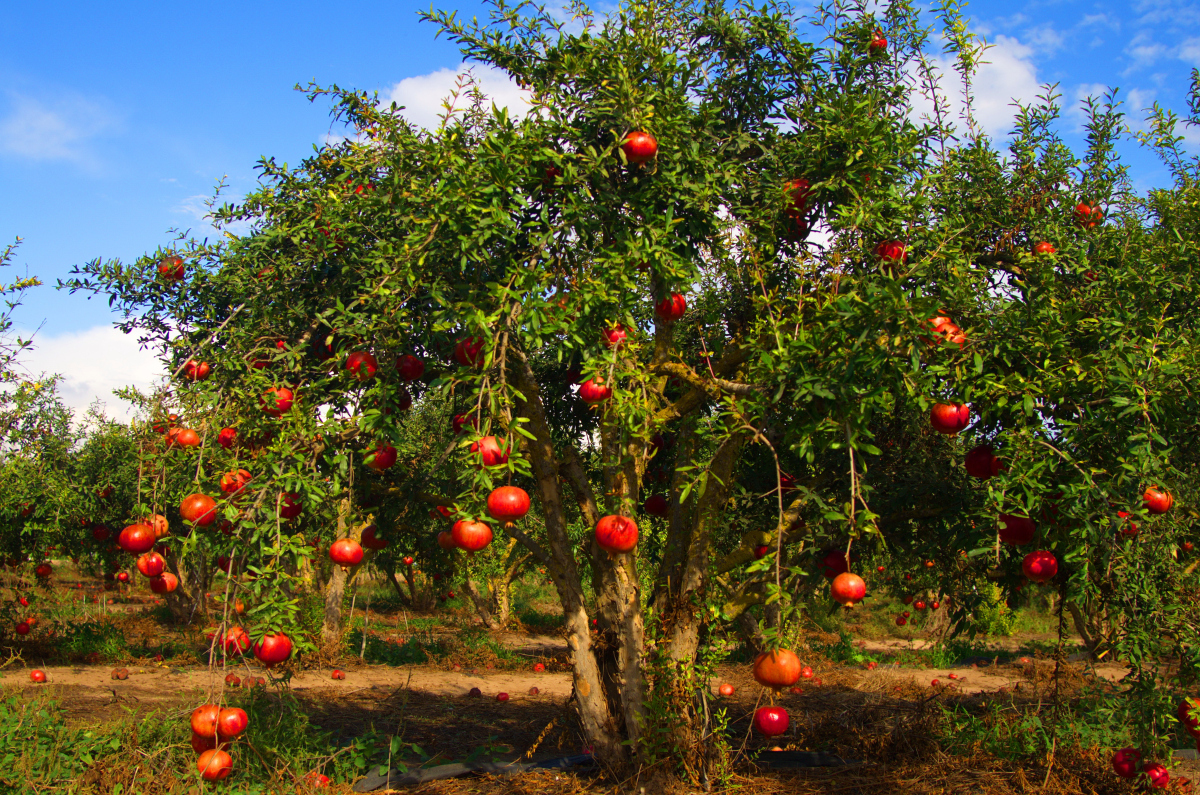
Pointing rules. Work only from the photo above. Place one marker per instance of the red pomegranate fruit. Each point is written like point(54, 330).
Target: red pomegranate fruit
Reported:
point(508, 504)
point(470, 535)
point(848, 589)
point(616, 534)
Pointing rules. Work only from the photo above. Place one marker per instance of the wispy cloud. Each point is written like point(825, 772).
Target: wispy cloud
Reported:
point(63, 129)
point(1009, 75)
point(93, 363)
point(423, 96)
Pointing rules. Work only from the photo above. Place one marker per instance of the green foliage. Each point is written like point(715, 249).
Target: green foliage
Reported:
point(38, 750)
point(992, 615)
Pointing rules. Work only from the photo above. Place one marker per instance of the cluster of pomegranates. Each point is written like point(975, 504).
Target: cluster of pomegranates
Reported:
point(214, 729)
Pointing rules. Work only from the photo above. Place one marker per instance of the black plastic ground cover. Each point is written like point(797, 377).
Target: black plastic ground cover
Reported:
point(772, 760)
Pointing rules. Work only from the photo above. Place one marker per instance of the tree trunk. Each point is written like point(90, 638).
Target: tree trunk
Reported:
point(331, 627)
point(481, 605)
point(187, 602)
point(595, 718)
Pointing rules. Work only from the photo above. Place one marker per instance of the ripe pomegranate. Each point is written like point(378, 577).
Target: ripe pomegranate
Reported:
point(1157, 775)
point(725, 689)
point(37, 676)
point(474, 692)
point(761, 551)
point(919, 605)
point(158, 523)
point(1016, 530)
point(289, 505)
point(199, 509)
point(470, 535)
point(656, 505)
point(408, 561)
point(361, 365)
point(234, 481)
point(446, 542)
point(22, 628)
point(593, 391)
point(508, 504)
point(834, 563)
point(204, 720)
point(616, 534)
point(137, 538)
point(1126, 527)
point(232, 721)
point(492, 452)
point(460, 421)
point(164, 583)
point(901, 620)
point(771, 721)
point(848, 589)
point(371, 539)
point(235, 641)
point(100, 533)
point(214, 765)
point(1040, 566)
point(671, 308)
point(1157, 501)
point(171, 269)
point(317, 780)
point(982, 463)
point(1042, 247)
point(337, 674)
point(273, 649)
point(409, 367)
point(233, 680)
point(346, 553)
point(878, 43)
point(777, 669)
point(1088, 215)
point(182, 437)
point(469, 352)
point(614, 336)
point(227, 437)
point(151, 564)
point(891, 252)
point(276, 401)
point(538, 668)
point(1186, 716)
point(381, 458)
point(502, 697)
point(639, 147)
point(949, 418)
point(196, 371)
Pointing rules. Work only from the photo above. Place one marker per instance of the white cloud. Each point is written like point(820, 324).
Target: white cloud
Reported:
point(424, 96)
point(93, 363)
point(1009, 75)
point(1190, 51)
point(1143, 51)
point(1044, 39)
point(36, 130)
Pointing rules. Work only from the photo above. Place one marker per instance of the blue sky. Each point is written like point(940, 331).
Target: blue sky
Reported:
point(117, 119)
